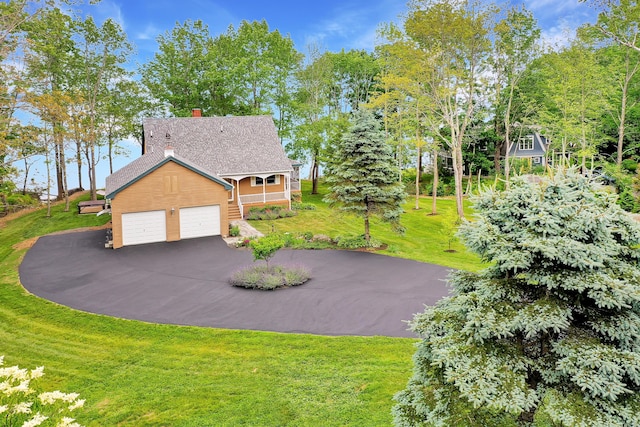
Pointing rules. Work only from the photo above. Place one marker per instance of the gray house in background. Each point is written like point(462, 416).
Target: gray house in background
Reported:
point(533, 146)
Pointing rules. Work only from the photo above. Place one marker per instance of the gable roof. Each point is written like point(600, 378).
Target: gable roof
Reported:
point(210, 146)
point(540, 146)
point(143, 166)
point(233, 145)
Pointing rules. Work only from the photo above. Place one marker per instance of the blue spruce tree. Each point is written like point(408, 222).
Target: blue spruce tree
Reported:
point(362, 177)
point(549, 334)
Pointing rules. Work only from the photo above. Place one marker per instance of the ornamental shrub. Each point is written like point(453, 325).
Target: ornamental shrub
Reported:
point(270, 212)
point(266, 247)
point(269, 278)
point(549, 334)
point(234, 231)
point(358, 242)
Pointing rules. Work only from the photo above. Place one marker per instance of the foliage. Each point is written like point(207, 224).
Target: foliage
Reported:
point(357, 242)
point(303, 206)
point(422, 241)
point(20, 406)
point(269, 212)
point(245, 242)
point(243, 71)
point(21, 200)
point(266, 247)
point(548, 332)
point(234, 231)
point(135, 373)
point(629, 165)
point(269, 278)
point(362, 176)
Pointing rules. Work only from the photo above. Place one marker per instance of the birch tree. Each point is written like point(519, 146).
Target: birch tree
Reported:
point(516, 46)
point(455, 36)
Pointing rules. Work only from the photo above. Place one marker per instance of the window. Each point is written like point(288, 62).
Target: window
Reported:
point(271, 180)
point(526, 143)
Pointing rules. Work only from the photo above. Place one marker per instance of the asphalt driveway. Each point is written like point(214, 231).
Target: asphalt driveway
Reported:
point(186, 283)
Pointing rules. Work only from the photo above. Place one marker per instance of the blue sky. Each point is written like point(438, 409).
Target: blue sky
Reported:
point(330, 24)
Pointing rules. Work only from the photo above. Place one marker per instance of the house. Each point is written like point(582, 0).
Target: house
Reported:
point(533, 147)
point(195, 175)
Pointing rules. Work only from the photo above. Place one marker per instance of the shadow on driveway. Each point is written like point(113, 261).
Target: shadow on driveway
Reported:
point(186, 283)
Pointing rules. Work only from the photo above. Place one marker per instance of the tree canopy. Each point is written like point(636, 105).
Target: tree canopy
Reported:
point(550, 332)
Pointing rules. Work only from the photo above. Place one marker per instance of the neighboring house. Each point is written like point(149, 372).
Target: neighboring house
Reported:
point(195, 175)
point(533, 146)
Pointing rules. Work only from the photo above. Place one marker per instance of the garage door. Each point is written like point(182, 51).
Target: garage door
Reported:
point(144, 227)
point(199, 221)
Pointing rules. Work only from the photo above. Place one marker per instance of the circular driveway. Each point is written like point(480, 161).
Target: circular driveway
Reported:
point(186, 283)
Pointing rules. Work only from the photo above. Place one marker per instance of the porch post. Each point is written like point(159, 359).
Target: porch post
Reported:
point(287, 180)
point(264, 190)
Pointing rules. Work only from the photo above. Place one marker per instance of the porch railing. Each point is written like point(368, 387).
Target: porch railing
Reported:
point(295, 185)
point(264, 197)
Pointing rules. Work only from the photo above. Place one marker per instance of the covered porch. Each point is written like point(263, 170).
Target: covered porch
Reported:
point(260, 190)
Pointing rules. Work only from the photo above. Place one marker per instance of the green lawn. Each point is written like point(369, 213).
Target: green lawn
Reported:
point(426, 238)
point(139, 374)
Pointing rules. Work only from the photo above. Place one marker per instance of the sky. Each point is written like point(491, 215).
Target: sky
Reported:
point(328, 24)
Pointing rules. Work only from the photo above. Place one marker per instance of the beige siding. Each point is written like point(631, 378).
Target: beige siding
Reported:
point(170, 186)
point(246, 188)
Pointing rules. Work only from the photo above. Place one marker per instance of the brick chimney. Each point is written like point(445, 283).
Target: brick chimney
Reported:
point(168, 151)
point(196, 112)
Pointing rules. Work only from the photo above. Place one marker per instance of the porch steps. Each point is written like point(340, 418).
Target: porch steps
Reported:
point(234, 212)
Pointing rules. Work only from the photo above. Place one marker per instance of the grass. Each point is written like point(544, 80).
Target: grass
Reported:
point(139, 374)
point(427, 237)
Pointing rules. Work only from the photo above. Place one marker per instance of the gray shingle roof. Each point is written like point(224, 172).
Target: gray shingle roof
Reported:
point(225, 145)
point(217, 146)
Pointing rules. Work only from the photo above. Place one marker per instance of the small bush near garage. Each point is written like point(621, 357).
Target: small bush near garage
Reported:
point(269, 277)
point(269, 213)
point(234, 231)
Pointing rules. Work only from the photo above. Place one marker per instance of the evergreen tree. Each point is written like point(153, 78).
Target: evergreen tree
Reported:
point(362, 176)
point(549, 334)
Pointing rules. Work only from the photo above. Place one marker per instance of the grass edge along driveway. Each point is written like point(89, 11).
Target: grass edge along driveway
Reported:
point(138, 374)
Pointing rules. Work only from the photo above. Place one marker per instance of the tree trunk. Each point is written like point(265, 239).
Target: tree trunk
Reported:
point(457, 175)
point(26, 176)
point(314, 177)
point(110, 155)
point(66, 185)
point(60, 160)
point(621, 126)
point(367, 236)
point(79, 162)
point(418, 172)
point(93, 188)
point(434, 191)
point(497, 154)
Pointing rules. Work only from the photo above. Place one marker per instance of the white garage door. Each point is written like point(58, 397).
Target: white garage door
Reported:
point(199, 221)
point(143, 227)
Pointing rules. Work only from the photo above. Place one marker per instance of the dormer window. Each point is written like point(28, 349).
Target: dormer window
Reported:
point(525, 143)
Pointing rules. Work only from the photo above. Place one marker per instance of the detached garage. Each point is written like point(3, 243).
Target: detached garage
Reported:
point(162, 197)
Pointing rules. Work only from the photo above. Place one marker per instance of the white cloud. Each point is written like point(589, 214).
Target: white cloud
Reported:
point(353, 26)
point(150, 32)
point(108, 9)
